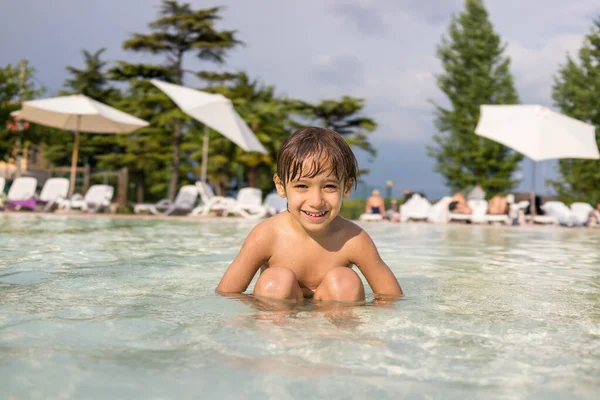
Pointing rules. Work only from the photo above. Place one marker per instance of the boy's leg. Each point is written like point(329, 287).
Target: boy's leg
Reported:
point(341, 284)
point(278, 283)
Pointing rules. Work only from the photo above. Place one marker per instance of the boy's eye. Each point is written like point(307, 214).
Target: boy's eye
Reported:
point(331, 186)
point(301, 186)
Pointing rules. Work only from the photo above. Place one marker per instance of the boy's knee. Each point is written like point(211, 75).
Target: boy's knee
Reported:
point(277, 282)
point(341, 284)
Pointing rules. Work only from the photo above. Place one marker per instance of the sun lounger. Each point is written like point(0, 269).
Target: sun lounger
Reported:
point(580, 212)
point(22, 191)
point(54, 190)
point(209, 202)
point(438, 213)
point(371, 217)
point(248, 204)
point(478, 215)
point(555, 212)
point(416, 208)
point(183, 204)
point(97, 198)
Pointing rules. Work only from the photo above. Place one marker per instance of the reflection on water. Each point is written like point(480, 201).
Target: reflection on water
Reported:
point(96, 308)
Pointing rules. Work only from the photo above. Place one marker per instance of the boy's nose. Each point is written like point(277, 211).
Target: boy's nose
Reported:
point(316, 198)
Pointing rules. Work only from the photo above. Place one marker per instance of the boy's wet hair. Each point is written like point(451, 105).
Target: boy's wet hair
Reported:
point(325, 150)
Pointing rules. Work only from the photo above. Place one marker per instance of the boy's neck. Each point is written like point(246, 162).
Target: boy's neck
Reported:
point(316, 236)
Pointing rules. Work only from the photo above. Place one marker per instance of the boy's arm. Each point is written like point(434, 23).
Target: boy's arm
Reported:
point(255, 252)
point(366, 257)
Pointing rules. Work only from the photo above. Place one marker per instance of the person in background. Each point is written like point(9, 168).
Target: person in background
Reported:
point(375, 203)
point(477, 193)
point(594, 217)
point(459, 205)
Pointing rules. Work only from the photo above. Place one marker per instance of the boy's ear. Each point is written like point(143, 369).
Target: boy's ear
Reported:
point(348, 188)
point(279, 186)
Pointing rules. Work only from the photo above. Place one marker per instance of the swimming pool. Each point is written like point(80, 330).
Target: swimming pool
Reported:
point(97, 308)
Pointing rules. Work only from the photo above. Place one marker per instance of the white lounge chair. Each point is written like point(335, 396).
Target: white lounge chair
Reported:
point(183, 204)
point(438, 213)
point(22, 189)
point(555, 212)
point(416, 208)
point(274, 203)
point(580, 212)
point(370, 217)
point(209, 202)
point(2, 184)
point(97, 198)
point(248, 204)
point(478, 215)
point(54, 190)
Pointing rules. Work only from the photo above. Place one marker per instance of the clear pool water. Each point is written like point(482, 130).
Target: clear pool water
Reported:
point(101, 308)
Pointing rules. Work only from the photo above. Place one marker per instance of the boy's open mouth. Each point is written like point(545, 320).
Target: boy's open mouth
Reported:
point(315, 215)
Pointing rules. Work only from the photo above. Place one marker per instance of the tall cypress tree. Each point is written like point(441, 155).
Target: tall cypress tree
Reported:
point(576, 92)
point(476, 73)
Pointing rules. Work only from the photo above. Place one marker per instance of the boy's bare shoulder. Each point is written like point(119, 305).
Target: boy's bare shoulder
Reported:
point(271, 227)
point(350, 230)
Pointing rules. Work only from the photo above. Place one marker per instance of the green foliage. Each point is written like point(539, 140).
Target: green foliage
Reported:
point(343, 116)
point(91, 81)
point(180, 30)
point(475, 73)
point(576, 92)
point(16, 84)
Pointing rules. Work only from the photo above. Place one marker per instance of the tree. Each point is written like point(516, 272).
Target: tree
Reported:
point(91, 81)
point(178, 31)
point(16, 85)
point(576, 93)
point(476, 73)
point(343, 116)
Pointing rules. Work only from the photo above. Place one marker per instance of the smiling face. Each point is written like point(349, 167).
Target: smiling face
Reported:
point(314, 201)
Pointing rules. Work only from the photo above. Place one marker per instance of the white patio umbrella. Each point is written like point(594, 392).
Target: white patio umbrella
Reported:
point(215, 111)
point(538, 133)
point(81, 114)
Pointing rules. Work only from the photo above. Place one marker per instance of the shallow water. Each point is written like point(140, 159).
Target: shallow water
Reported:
point(101, 308)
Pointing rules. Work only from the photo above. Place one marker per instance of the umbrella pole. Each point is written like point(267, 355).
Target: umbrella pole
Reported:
point(204, 155)
point(532, 206)
point(74, 159)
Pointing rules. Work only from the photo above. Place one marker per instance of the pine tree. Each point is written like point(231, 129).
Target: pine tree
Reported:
point(576, 92)
point(179, 31)
point(343, 116)
point(475, 73)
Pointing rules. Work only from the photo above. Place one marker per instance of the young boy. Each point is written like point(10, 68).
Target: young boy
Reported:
point(308, 251)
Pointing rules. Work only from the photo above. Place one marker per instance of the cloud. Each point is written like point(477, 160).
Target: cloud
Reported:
point(534, 68)
point(341, 71)
point(363, 15)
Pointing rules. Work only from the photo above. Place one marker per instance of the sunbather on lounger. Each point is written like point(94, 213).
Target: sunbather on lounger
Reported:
point(459, 205)
point(375, 204)
point(594, 217)
point(498, 205)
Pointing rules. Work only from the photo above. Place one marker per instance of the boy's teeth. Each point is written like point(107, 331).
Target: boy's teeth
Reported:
point(315, 215)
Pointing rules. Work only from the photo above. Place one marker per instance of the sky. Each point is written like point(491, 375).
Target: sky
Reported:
point(379, 50)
